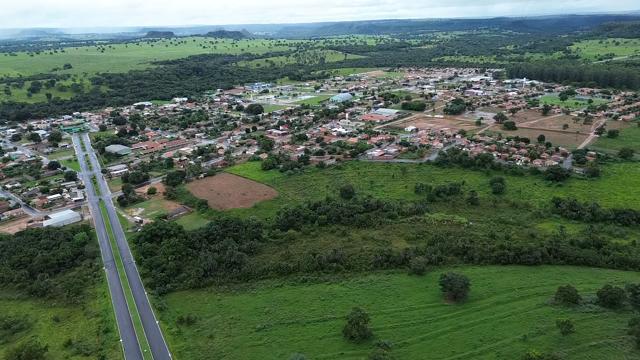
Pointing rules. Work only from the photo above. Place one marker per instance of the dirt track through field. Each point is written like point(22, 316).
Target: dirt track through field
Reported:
point(226, 191)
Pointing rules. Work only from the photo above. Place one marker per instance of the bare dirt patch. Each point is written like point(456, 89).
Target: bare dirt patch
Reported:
point(425, 122)
point(226, 191)
point(14, 226)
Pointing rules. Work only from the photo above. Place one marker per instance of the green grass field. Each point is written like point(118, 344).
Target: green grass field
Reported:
point(629, 137)
point(619, 185)
point(506, 315)
point(592, 49)
point(125, 57)
point(315, 101)
point(90, 326)
point(571, 103)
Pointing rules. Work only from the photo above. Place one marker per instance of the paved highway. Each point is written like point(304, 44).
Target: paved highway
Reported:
point(152, 330)
point(130, 345)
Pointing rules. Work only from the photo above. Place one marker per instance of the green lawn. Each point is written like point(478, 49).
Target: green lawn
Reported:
point(91, 326)
point(302, 57)
point(506, 315)
point(629, 137)
point(619, 185)
point(71, 164)
point(61, 154)
point(269, 108)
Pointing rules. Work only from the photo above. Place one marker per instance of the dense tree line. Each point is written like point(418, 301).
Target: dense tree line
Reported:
point(58, 263)
point(592, 212)
point(625, 76)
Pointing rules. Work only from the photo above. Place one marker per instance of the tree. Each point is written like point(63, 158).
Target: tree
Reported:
point(611, 297)
point(563, 97)
point(557, 174)
point(174, 178)
point(541, 139)
point(509, 125)
point(16, 137)
point(546, 109)
point(500, 117)
point(455, 287)
point(567, 295)
point(152, 190)
point(473, 198)
point(347, 192)
point(357, 327)
point(29, 350)
point(565, 326)
point(254, 109)
point(53, 165)
point(34, 137)
point(70, 175)
point(55, 137)
point(102, 127)
point(613, 133)
point(626, 153)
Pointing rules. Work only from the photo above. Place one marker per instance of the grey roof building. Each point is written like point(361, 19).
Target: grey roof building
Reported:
point(62, 218)
point(118, 149)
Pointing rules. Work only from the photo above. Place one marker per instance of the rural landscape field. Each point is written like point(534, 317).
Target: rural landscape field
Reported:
point(315, 181)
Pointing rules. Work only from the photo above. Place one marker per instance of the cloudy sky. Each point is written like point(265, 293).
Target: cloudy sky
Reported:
point(116, 13)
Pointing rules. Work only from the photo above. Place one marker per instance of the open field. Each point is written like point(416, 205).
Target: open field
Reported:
point(424, 122)
point(619, 185)
point(90, 327)
point(227, 191)
point(125, 57)
point(149, 209)
point(505, 317)
point(571, 103)
point(568, 139)
point(629, 137)
point(556, 122)
point(593, 49)
point(15, 225)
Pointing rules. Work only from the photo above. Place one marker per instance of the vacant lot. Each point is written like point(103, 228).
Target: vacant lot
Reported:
point(570, 140)
point(506, 315)
point(227, 191)
point(424, 122)
point(629, 137)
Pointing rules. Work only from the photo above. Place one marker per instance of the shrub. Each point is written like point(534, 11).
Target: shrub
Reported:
point(186, 320)
point(626, 153)
point(535, 355)
point(565, 326)
point(567, 295)
point(509, 125)
point(455, 287)
point(152, 190)
point(347, 192)
point(633, 294)
point(357, 327)
point(30, 350)
point(611, 297)
point(418, 266)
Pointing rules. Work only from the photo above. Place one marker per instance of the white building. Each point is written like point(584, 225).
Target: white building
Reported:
point(62, 218)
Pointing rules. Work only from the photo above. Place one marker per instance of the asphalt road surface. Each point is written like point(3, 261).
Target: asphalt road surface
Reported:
point(130, 345)
point(157, 343)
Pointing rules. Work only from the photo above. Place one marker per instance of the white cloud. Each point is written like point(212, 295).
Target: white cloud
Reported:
point(117, 13)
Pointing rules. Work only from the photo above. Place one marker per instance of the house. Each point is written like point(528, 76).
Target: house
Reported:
point(118, 170)
point(119, 150)
point(62, 218)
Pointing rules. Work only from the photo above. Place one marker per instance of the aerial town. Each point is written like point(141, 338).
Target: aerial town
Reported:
point(405, 116)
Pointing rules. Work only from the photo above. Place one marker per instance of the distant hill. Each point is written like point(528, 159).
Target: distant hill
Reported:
point(160, 34)
point(226, 34)
point(627, 29)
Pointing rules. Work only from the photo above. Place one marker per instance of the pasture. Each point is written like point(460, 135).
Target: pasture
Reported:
point(507, 314)
point(629, 138)
point(617, 187)
point(90, 328)
point(572, 103)
point(597, 48)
